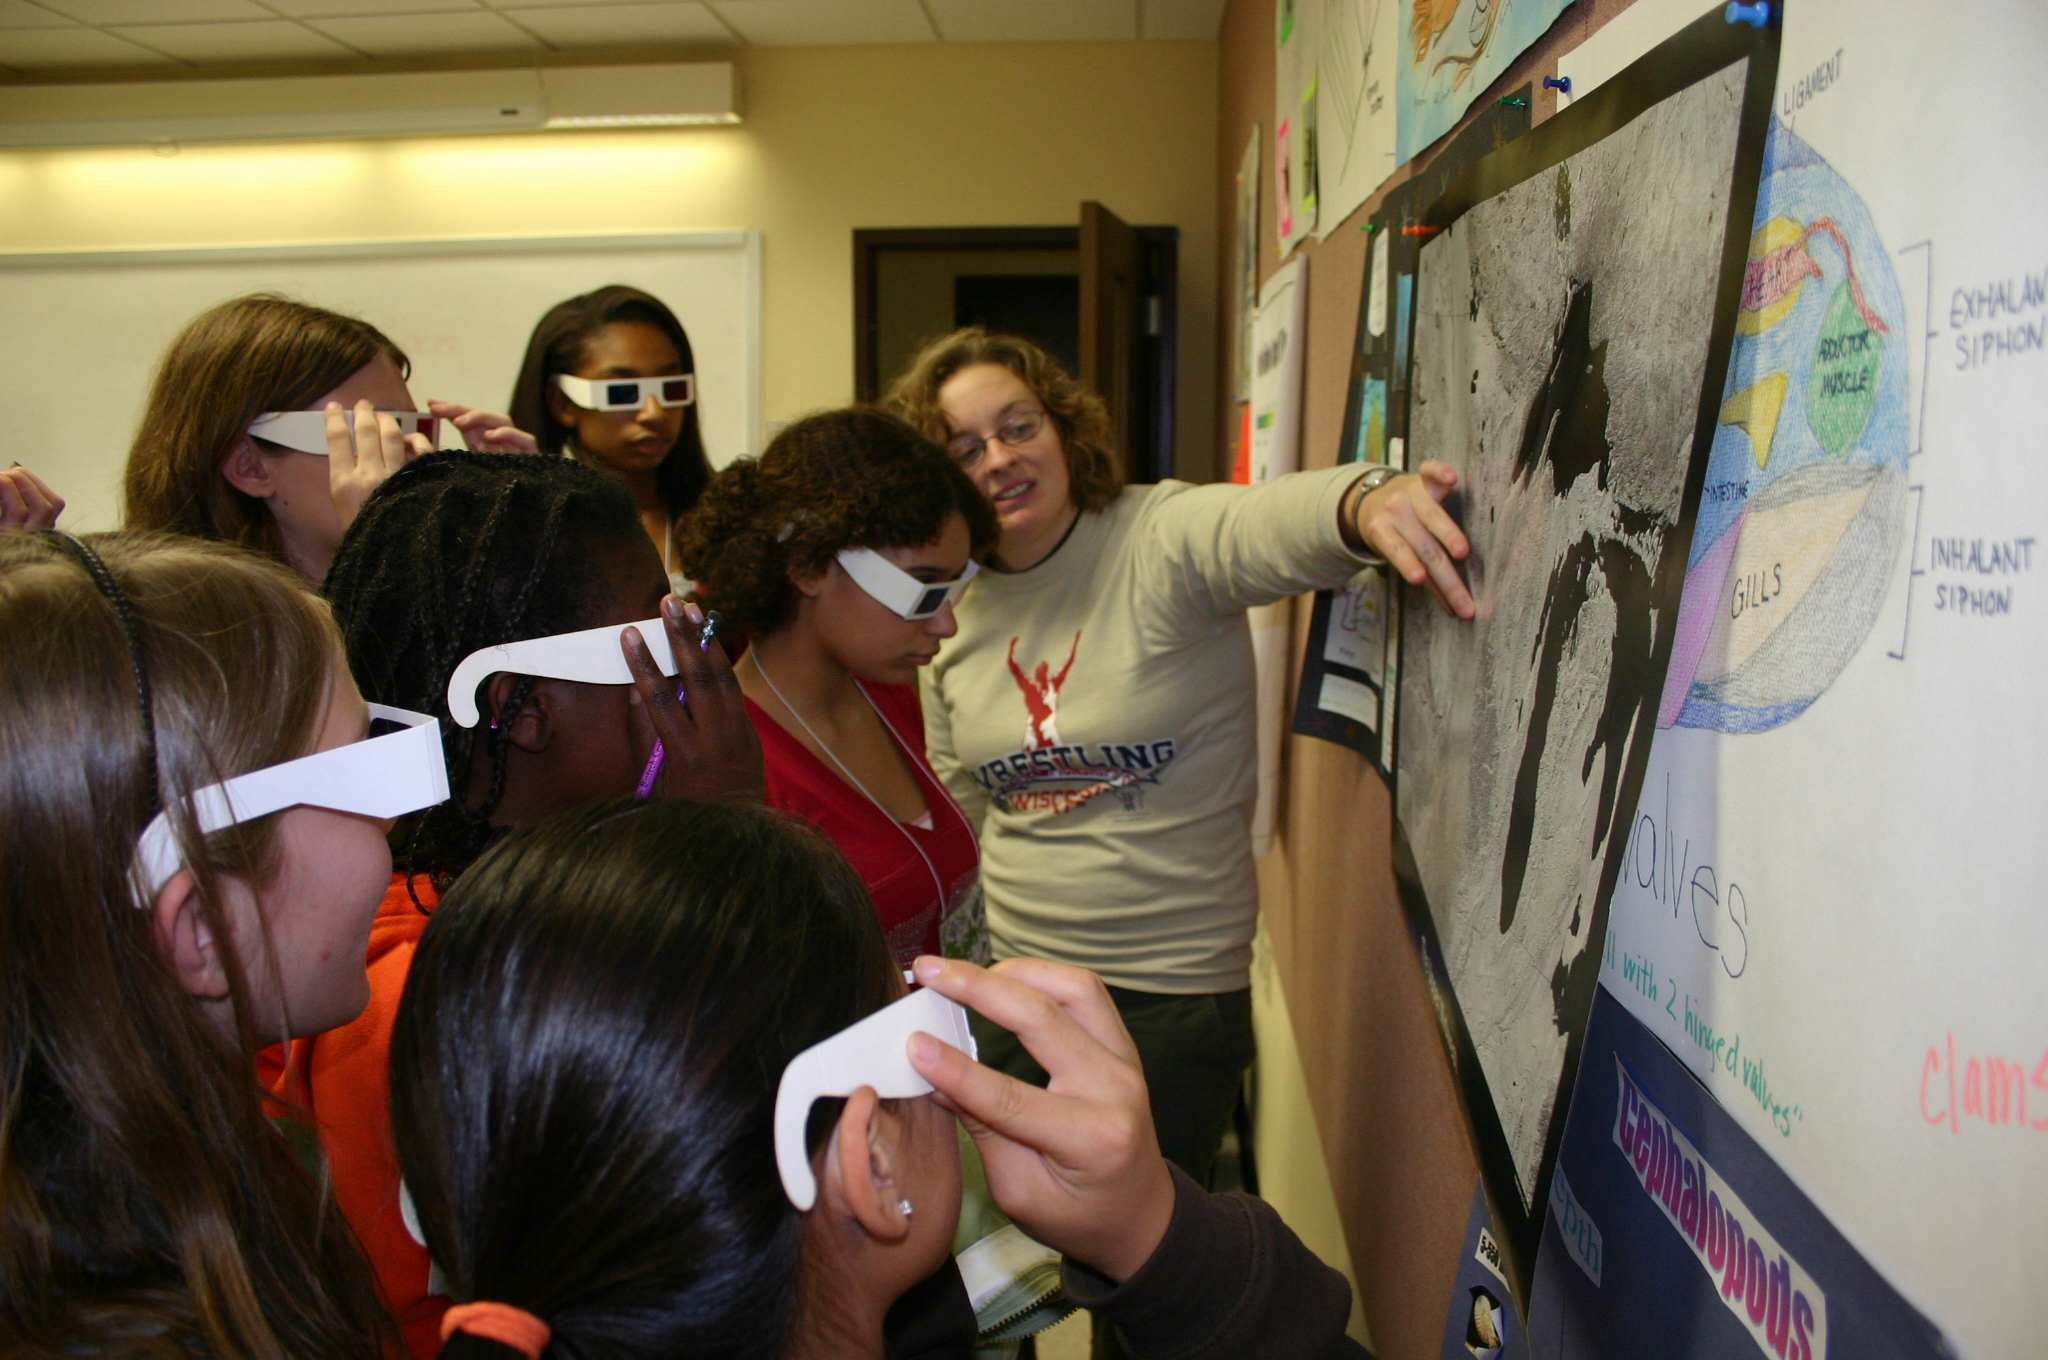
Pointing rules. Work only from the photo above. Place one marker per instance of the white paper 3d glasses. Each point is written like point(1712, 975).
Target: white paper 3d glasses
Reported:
point(896, 589)
point(591, 656)
point(872, 1052)
point(386, 775)
point(306, 431)
point(628, 394)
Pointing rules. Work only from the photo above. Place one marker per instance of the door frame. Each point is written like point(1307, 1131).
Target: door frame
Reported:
point(1163, 244)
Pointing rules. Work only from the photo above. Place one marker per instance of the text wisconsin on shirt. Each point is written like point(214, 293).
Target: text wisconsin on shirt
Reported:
point(1047, 774)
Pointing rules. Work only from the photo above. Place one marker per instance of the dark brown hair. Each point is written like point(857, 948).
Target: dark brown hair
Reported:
point(854, 478)
point(585, 1063)
point(263, 352)
point(1094, 473)
point(147, 1205)
point(557, 346)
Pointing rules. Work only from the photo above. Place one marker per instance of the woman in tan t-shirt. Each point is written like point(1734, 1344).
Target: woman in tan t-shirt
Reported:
point(1096, 708)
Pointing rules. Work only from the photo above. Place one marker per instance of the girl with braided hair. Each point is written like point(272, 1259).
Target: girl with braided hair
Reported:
point(457, 552)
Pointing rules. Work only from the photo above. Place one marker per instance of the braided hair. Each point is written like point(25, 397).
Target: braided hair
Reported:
point(459, 551)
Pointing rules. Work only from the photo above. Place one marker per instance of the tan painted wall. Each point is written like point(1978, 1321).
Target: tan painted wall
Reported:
point(1010, 134)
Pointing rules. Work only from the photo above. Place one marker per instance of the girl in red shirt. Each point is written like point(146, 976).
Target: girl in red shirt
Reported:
point(841, 549)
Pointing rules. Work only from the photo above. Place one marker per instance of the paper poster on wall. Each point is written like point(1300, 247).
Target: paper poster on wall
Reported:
point(1357, 636)
point(1247, 298)
point(1564, 372)
point(1372, 421)
point(1832, 907)
point(1484, 1323)
point(1279, 340)
point(1351, 707)
point(1450, 51)
point(1355, 110)
point(1294, 120)
point(1375, 317)
point(1670, 1231)
point(1614, 46)
point(1344, 674)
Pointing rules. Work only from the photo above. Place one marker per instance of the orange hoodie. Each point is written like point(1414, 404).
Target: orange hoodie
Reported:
point(341, 1080)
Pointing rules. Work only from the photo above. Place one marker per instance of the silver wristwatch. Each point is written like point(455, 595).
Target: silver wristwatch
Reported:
point(1368, 482)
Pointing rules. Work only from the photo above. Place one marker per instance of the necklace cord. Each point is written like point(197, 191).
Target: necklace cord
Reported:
point(851, 778)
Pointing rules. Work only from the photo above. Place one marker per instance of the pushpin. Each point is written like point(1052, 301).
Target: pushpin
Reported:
point(1562, 84)
point(1368, 226)
point(1420, 230)
point(1514, 101)
point(1757, 15)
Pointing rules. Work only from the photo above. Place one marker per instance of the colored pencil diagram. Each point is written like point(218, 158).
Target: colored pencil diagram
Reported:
point(1804, 511)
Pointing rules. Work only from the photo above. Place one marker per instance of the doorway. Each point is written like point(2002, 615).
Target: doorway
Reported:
point(1099, 296)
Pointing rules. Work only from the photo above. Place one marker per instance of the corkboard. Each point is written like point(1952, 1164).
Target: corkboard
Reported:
point(1386, 1107)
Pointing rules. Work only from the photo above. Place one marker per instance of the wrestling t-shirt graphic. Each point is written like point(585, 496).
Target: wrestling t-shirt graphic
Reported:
point(1050, 774)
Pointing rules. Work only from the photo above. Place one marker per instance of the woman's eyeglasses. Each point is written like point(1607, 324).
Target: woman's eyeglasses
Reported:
point(1018, 429)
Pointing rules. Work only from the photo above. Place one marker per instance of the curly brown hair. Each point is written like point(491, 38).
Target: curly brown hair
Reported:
point(854, 478)
point(1094, 473)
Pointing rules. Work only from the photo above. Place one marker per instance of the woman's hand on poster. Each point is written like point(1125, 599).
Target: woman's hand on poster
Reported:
point(363, 450)
point(26, 502)
point(1077, 1164)
point(484, 431)
point(710, 750)
point(1403, 520)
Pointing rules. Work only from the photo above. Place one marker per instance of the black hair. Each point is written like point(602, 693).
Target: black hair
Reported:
point(459, 551)
point(853, 478)
point(585, 1062)
point(557, 346)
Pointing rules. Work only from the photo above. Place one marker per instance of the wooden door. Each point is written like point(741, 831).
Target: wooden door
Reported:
point(1112, 325)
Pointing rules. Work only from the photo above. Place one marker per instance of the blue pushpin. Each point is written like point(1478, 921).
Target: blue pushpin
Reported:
point(1562, 84)
point(1757, 15)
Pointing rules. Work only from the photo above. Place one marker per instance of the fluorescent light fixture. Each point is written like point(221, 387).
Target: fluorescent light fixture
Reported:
point(608, 120)
point(303, 108)
point(675, 94)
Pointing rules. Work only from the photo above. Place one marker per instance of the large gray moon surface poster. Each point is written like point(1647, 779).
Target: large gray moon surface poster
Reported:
point(1563, 332)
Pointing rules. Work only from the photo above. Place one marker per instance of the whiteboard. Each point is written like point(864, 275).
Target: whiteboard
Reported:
point(86, 328)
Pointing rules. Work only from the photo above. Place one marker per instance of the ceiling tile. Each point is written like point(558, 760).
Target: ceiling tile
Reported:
point(270, 39)
point(25, 48)
point(157, 11)
point(824, 23)
point(329, 9)
point(415, 35)
point(610, 25)
point(21, 14)
point(1180, 18)
point(1035, 20)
